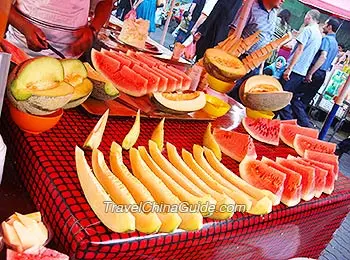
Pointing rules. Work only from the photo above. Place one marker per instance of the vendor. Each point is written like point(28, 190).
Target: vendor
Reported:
point(63, 24)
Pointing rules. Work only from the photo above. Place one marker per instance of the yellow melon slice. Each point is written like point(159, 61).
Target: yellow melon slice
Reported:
point(10, 236)
point(146, 223)
point(158, 135)
point(237, 181)
point(170, 221)
point(97, 198)
point(210, 142)
point(221, 198)
point(95, 137)
point(131, 138)
point(190, 220)
point(173, 186)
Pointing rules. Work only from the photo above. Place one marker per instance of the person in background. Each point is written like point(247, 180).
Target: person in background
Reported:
point(277, 68)
point(63, 24)
point(147, 11)
point(207, 9)
point(282, 27)
point(308, 44)
point(343, 147)
point(124, 7)
point(195, 11)
point(183, 27)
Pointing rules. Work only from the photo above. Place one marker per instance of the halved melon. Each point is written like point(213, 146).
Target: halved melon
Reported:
point(95, 137)
point(97, 197)
point(158, 134)
point(210, 142)
point(131, 138)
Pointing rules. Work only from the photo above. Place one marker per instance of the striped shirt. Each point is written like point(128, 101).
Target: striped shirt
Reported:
point(259, 20)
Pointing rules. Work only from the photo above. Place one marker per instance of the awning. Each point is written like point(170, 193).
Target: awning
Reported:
point(339, 8)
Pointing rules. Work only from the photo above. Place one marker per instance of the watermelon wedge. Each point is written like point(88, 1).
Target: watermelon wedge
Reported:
point(330, 179)
point(149, 57)
point(186, 80)
point(302, 143)
point(17, 55)
point(153, 80)
point(307, 174)
point(325, 158)
point(175, 75)
point(289, 131)
point(290, 122)
point(291, 195)
point(149, 62)
point(262, 176)
point(320, 175)
point(163, 81)
point(234, 144)
point(263, 129)
point(116, 56)
point(172, 81)
point(105, 65)
point(131, 59)
point(130, 82)
point(41, 253)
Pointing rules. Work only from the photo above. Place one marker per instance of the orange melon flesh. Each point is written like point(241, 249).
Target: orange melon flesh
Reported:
point(146, 223)
point(210, 142)
point(96, 197)
point(158, 135)
point(173, 186)
point(94, 139)
point(237, 181)
point(131, 138)
point(221, 198)
point(170, 221)
point(190, 220)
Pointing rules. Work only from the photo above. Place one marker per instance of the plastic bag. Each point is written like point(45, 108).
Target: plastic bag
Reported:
point(190, 51)
point(131, 14)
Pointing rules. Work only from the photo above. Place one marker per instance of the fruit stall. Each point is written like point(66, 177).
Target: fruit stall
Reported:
point(128, 129)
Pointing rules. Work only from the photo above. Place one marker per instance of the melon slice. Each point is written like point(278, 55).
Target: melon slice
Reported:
point(324, 158)
point(210, 142)
point(153, 80)
point(221, 198)
point(172, 81)
point(131, 138)
point(97, 196)
point(130, 82)
point(105, 65)
point(237, 181)
point(307, 174)
point(262, 176)
point(158, 135)
point(175, 75)
point(94, 139)
point(302, 143)
point(320, 175)
point(17, 55)
point(235, 145)
point(190, 220)
point(149, 62)
point(163, 80)
point(263, 129)
point(81, 93)
point(289, 131)
point(170, 221)
point(291, 195)
point(116, 56)
point(146, 223)
point(186, 80)
point(11, 237)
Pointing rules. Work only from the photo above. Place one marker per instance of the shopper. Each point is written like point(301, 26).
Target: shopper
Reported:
point(183, 27)
point(63, 24)
point(277, 68)
point(147, 11)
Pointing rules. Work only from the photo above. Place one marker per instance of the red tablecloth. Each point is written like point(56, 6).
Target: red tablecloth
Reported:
point(46, 165)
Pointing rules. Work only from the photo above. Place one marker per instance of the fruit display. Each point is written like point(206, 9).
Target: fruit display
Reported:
point(158, 135)
point(131, 138)
point(263, 129)
point(289, 131)
point(324, 157)
point(95, 137)
point(22, 232)
point(210, 142)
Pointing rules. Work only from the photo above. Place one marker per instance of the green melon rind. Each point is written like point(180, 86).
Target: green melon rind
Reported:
point(256, 136)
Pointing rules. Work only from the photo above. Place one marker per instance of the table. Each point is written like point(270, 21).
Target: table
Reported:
point(46, 166)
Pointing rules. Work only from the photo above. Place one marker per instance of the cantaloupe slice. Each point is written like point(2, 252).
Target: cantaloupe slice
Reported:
point(236, 180)
point(11, 237)
point(158, 135)
point(131, 138)
point(210, 142)
point(221, 198)
point(173, 186)
point(190, 220)
point(95, 137)
point(97, 197)
point(170, 221)
point(146, 223)
point(25, 236)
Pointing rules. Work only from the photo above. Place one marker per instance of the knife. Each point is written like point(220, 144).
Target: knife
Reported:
point(58, 53)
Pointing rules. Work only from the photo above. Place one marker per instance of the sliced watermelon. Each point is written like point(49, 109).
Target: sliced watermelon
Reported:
point(163, 80)
point(146, 60)
point(302, 143)
point(131, 82)
point(263, 129)
point(325, 158)
point(41, 253)
point(172, 81)
point(307, 174)
point(153, 80)
point(330, 179)
point(116, 56)
point(175, 75)
point(105, 65)
point(234, 144)
point(149, 57)
point(131, 59)
point(289, 131)
point(262, 176)
point(290, 122)
point(186, 80)
point(291, 195)
point(320, 175)
point(17, 55)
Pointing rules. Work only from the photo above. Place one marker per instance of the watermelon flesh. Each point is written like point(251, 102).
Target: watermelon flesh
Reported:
point(330, 178)
point(172, 82)
point(320, 175)
point(163, 80)
point(263, 129)
point(291, 195)
point(131, 82)
point(302, 143)
point(153, 80)
point(262, 176)
point(105, 65)
point(116, 56)
point(17, 55)
point(307, 174)
point(186, 83)
point(325, 158)
point(174, 75)
point(149, 62)
point(289, 131)
point(42, 253)
point(235, 145)
point(290, 122)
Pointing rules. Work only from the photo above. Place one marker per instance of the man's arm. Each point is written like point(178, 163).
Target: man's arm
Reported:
point(207, 9)
point(298, 52)
point(316, 66)
point(102, 14)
